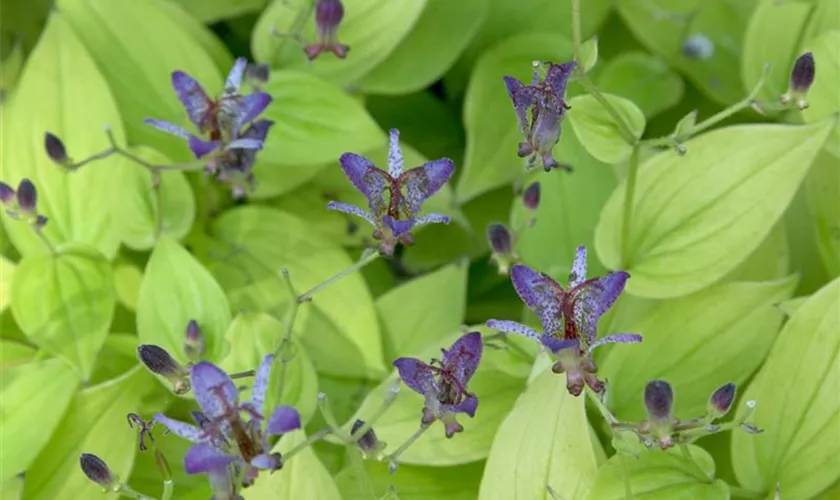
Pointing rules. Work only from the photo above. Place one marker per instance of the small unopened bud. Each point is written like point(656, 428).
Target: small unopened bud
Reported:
point(97, 471)
point(803, 73)
point(193, 341)
point(698, 46)
point(27, 196)
point(721, 400)
point(531, 198)
point(659, 398)
point(368, 443)
point(328, 15)
point(7, 193)
point(500, 239)
point(55, 148)
point(258, 73)
point(40, 221)
point(158, 361)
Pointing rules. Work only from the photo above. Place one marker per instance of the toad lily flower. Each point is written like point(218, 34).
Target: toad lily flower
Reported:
point(546, 101)
point(394, 218)
point(569, 318)
point(226, 442)
point(445, 386)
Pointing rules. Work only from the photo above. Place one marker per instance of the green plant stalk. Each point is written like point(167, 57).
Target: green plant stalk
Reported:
point(329, 418)
point(368, 257)
point(739, 492)
point(168, 490)
point(390, 397)
point(629, 201)
point(286, 340)
point(699, 470)
point(126, 491)
point(392, 458)
point(305, 444)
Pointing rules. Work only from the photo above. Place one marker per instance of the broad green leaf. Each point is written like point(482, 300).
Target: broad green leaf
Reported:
point(790, 306)
point(138, 63)
point(209, 11)
point(14, 353)
point(697, 217)
point(796, 391)
point(94, 423)
point(544, 441)
point(441, 33)
point(657, 475)
point(62, 91)
point(33, 398)
point(599, 131)
point(7, 272)
point(770, 261)
point(824, 96)
point(175, 289)
point(589, 54)
point(371, 28)
point(697, 343)
point(823, 192)
point(568, 212)
point(771, 38)
point(304, 476)
point(64, 303)
point(215, 48)
point(146, 477)
point(252, 336)
point(496, 392)
point(143, 214)
point(10, 68)
point(339, 329)
point(12, 488)
point(423, 310)
point(644, 79)
point(119, 355)
point(410, 482)
point(805, 256)
point(127, 281)
point(492, 132)
point(666, 26)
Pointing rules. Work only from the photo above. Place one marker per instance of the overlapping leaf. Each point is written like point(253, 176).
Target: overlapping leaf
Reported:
point(599, 131)
point(644, 79)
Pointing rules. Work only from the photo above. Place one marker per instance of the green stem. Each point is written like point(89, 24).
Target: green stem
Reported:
point(168, 489)
point(629, 201)
point(288, 330)
point(47, 242)
point(390, 397)
point(247, 373)
point(623, 128)
point(699, 470)
point(305, 444)
point(576, 36)
point(369, 256)
point(593, 396)
point(329, 418)
point(392, 458)
point(126, 491)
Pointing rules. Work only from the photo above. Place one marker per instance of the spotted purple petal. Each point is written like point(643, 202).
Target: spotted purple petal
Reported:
point(169, 128)
point(558, 76)
point(204, 458)
point(352, 210)
point(540, 293)
point(250, 106)
point(616, 338)
point(181, 429)
point(432, 219)
point(593, 298)
point(214, 391)
point(284, 419)
point(234, 78)
point(193, 97)
point(395, 156)
point(416, 374)
point(522, 97)
point(261, 380)
point(201, 148)
point(267, 461)
point(368, 179)
point(514, 327)
point(421, 183)
point(556, 345)
point(464, 356)
point(578, 273)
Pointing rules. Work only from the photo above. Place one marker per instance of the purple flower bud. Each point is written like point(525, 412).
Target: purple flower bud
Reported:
point(194, 344)
point(7, 193)
point(803, 73)
point(258, 73)
point(55, 148)
point(328, 15)
point(659, 398)
point(531, 198)
point(27, 196)
point(40, 221)
point(500, 239)
point(368, 443)
point(97, 471)
point(721, 400)
point(158, 361)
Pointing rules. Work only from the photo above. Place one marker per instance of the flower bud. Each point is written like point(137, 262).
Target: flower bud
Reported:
point(97, 471)
point(55, 148)
point(368, 443)
point(500, 239)
point(531, 198)
point(40, 221)
point(158, 361)
point(659, 398)
point(328, 15)
point(194, 345)
point(258, 73)
point(803, 73)
point(721, 400)
point(27, 196)
point(7, 193)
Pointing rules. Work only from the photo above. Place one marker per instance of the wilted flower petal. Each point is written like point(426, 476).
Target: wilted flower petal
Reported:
point(284, 419)
point(204, 458)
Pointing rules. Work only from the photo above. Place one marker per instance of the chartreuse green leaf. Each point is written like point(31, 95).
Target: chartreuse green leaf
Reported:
point(441, 33)
point(64, 303)
point(644, 79)
point(424, 310)
point(127, 280)
point(11, 65)
point(567, 214)
point(7, 272)
point(490, 160)
point(658, 475)
point(138, 64)
point(94, 423)
point(339, 329)
point(253, 335)
point(175, 289)
point(589, 54)
point(544, 441)
point(702, 38)
point(304, 476)
point(214, 46)
point(770, 261)
point(209, 11)
point(33, 398)
point(14, 353)
point(371, 28)
point(314, 124)
point(11, 488)
point(146, 476)
point(598, 130)
point(796, 391)
point(696, 217)
point(411, 482)
point(824, 96)
point(496, 391)
point(143, 214)
point(62, 91)
point(823, 192)
point(772, 38)
point(697, 343)
point(119, 355)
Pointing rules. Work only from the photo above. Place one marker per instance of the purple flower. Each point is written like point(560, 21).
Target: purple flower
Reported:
point(445, 386)
point(394, 217)
point(328, 16)
point(569, 318)
point(546, 102)
point(235, 165)
point(230, 435)
point(194, 344)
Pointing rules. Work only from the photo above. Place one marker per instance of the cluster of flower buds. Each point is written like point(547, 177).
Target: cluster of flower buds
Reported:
point(664, 430)
point(22, 204)
point(801, 79)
